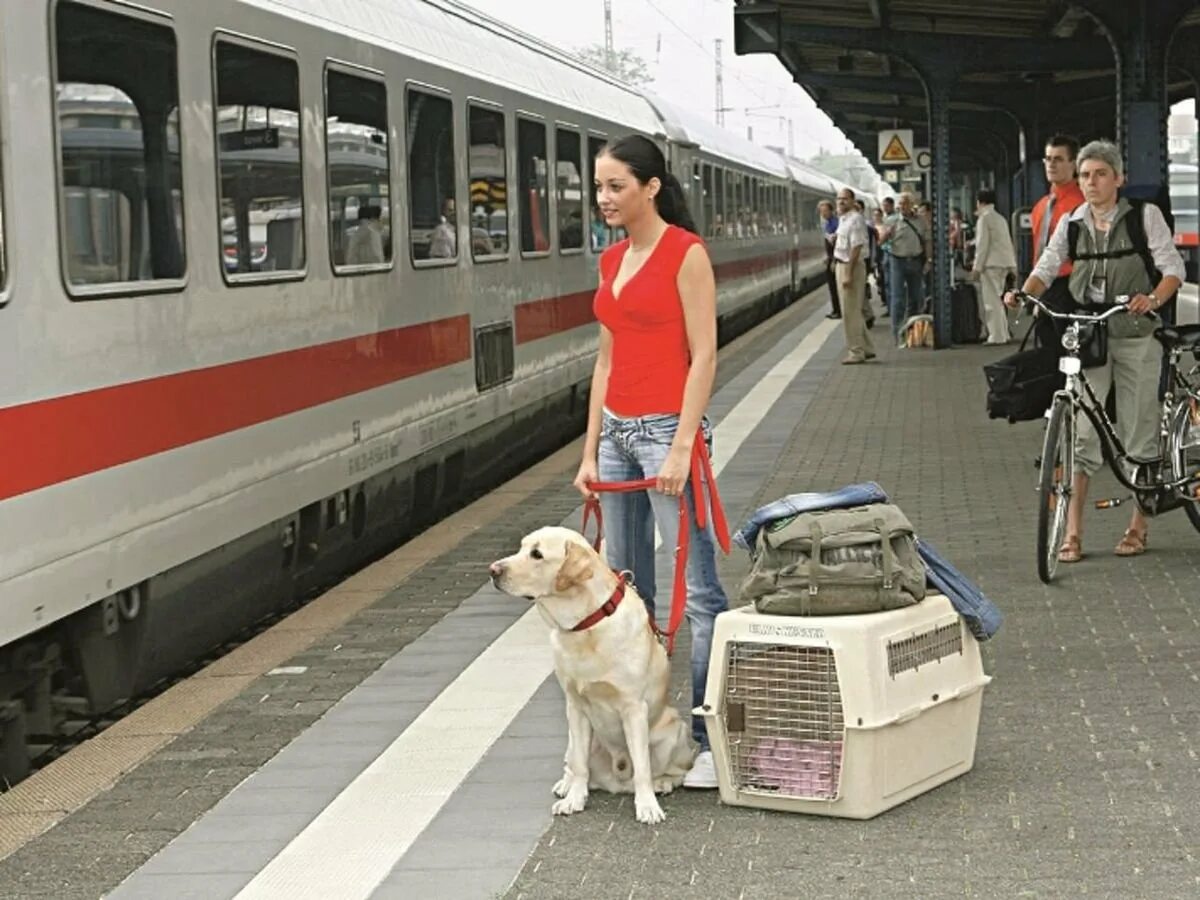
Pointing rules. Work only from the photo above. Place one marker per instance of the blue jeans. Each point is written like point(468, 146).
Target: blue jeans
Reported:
point(907, 284)
point(636, 448)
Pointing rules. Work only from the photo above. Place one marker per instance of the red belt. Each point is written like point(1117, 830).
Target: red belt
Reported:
point(704, 492)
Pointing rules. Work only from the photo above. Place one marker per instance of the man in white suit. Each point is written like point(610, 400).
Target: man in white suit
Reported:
point(994, 259)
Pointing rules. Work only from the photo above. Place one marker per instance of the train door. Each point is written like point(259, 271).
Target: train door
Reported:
point(793, 217)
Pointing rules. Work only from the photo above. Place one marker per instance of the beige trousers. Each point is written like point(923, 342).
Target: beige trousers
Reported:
point(1133, 365)
point(858, 339)
point(991, 287)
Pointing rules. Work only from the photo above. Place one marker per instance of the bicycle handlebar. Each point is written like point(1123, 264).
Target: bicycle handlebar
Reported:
point(1121, 305)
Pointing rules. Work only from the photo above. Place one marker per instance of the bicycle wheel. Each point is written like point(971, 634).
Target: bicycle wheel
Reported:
point(1185, 453)
point(1054, 486)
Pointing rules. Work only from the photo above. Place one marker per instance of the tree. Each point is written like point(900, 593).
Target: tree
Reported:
point(627, 65)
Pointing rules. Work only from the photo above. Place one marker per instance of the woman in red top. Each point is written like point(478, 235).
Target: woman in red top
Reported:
point(654, 374)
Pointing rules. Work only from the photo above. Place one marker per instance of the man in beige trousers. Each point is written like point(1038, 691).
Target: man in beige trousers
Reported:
point(994, 260)
point(849, 255)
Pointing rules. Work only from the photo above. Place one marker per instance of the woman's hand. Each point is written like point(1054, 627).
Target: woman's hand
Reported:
point(1142, 304)
point(674, 472)
point(587, 474)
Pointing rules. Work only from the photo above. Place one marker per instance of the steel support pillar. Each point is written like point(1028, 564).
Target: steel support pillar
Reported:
point(1142, 107)
point(938, 91)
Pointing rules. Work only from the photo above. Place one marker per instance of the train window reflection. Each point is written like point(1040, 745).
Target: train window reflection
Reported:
point(433, 222)
point(534, 197)
point(570, 190)
point(487, 169)
point(601, 234)
point(356, 153)
point(117, 104)
point(258, 144)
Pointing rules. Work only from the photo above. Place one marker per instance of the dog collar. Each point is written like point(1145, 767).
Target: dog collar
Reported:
point(607, 609)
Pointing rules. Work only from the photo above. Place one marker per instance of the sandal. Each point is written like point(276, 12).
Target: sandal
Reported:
point(1131, 543)
point(1071, 550)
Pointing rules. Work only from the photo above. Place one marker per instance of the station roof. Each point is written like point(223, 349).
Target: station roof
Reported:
point(1044, 66)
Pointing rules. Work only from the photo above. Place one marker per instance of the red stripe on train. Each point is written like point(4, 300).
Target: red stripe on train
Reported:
point(543, 318)
point(55, 440)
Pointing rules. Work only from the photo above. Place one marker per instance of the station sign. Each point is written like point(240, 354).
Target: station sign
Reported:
point(253, 139)
point(922, 159)
point(896, 147)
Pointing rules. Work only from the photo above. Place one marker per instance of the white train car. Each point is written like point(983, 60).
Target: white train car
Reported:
point(283, 280)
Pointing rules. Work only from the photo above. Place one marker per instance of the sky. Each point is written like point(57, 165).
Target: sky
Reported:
point(675, 38)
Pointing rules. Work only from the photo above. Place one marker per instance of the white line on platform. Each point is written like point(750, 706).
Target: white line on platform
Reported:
point(354, 843)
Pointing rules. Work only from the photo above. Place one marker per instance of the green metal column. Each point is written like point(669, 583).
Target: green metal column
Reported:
point(937, 89)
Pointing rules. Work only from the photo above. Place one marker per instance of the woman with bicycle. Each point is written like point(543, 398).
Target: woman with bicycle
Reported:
point(1106, 265)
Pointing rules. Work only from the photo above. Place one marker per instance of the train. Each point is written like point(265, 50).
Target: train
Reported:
point(281, 282)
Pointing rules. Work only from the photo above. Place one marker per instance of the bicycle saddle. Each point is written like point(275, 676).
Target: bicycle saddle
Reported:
point(1185, 336)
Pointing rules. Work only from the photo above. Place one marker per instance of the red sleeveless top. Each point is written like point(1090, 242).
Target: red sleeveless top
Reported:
point(650, 356)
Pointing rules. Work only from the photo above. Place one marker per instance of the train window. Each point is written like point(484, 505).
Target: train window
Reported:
point(533, 195)
point(258, 158)
point(568, 165)
point(357, 165)
point(601, 234)
point(117, 101)
point(487, 171)
point(432, 198)
point(706, 198)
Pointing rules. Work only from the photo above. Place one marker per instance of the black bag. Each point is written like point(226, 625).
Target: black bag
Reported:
point(1048, 331)
point(1021, 386)
point(965, 326)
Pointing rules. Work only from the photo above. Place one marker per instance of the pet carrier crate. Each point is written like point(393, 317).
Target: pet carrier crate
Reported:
point(842, 715)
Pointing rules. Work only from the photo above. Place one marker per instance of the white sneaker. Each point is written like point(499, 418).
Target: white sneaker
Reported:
point(703, 773)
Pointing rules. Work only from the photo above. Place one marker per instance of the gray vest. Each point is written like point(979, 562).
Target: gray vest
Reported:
point(1124, 275)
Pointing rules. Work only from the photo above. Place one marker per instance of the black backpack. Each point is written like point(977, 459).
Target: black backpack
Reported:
point(1058, 296)
point(1135, 225)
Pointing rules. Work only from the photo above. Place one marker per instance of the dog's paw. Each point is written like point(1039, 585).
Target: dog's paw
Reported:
point(648, 811)
point(665, 784)
point(563, 785)
point(574, 801)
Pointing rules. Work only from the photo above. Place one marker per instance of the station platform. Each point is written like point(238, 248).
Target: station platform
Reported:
point(399, 736)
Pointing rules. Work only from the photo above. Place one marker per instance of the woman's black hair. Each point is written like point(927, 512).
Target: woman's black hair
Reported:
point(646, 161)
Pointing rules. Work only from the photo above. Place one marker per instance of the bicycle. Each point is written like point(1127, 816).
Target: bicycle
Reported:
point(1160, 483)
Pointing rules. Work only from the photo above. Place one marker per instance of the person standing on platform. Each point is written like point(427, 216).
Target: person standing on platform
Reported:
point(652, 380)
point(1105, 269)
point(995, 259)
point(911, 250)
point(829, 225)
point(850, 261)
point(868, 261)
point(884, 276)
point(1064, 197)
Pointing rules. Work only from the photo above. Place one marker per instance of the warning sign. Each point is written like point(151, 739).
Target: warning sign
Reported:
point(895, 147)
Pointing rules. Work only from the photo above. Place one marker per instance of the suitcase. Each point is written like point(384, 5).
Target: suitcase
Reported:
point(965, 327)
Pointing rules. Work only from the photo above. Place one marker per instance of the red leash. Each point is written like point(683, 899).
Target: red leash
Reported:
point(704, 490)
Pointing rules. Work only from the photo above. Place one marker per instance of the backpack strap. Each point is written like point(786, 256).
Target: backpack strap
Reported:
point(1135, 227)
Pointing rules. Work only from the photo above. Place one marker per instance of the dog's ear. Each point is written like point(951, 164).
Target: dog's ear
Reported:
point(576, 568)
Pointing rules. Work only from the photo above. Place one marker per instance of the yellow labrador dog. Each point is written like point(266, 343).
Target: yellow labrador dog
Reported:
point(622, 735)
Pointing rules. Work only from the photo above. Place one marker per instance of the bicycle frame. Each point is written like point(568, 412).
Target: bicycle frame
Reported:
point(1079, 393)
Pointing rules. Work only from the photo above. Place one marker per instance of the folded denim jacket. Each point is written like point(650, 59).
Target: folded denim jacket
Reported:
point(982, 616)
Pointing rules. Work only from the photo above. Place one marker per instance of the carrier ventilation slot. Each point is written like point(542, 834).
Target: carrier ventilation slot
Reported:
point(783, 713)
point(493, 355)
point(913, 652)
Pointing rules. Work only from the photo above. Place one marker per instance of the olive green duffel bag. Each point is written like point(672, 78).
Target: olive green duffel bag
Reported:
point(836, 562)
